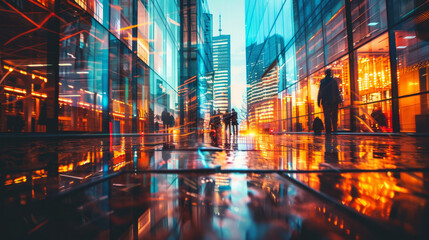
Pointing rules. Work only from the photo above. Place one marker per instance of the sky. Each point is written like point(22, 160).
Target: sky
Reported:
point(233, 24)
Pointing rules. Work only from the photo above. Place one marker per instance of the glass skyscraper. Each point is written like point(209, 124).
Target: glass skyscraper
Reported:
point(222, 73)
point(377, 49)
point(101, 65)
point(196, 65)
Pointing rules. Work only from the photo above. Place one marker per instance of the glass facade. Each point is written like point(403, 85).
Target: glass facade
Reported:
point(377, 50)
point(88, 65)
point(196, 65)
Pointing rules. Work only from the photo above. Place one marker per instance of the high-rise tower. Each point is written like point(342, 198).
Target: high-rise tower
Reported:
point(222, 71)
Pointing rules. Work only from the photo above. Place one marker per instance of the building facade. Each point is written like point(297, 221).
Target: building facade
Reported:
point(222, 73)
point(196, 65)
point(377, 49)
point(88, 65)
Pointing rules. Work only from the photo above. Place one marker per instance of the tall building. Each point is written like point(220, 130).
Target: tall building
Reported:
point(88, 65)
point(208, 36)
point(196, 64)
point(262, 82)
point(222, 73)
point(377, 49)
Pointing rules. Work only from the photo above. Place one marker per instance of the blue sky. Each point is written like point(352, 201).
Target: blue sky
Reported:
point(233, 24)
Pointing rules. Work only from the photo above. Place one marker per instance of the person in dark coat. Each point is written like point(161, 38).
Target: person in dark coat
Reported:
point(234, 122)
point(172, 120)
point(329, 96)
point(227, 122)
point(165, 118)
point(156, 126)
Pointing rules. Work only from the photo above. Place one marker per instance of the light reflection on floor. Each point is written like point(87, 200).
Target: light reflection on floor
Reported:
point(382, 178)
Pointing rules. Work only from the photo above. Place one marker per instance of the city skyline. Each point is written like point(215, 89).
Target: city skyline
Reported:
point(232, 13)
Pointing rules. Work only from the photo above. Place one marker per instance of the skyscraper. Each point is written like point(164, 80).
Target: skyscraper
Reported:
point(222, 72)
point(196, 65)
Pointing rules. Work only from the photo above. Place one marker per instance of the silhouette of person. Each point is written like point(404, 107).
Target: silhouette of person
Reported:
point(379, 117)
point(329, 97)
point(156, 126)
point(227, 122)
point(172, 121)
point(234, 122)
point(165, 118)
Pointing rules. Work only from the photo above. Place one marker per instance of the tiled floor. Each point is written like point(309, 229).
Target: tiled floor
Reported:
point(343, 187)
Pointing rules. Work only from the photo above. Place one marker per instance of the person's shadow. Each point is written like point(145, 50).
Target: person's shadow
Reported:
point(331, 151)
point(227, 144)
point(235, 142)
point(329, 180)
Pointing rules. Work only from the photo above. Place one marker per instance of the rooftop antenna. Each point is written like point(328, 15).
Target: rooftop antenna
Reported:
point(220, 24)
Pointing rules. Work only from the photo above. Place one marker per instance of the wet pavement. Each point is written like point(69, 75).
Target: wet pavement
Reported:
point(246, 187)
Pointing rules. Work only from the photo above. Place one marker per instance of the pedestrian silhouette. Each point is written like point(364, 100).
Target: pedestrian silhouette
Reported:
point(380, 119)
point(234, 122)
point(329, 97)
point(172, 121)
point(156, 126)
point(165, 118)
point(227, 122)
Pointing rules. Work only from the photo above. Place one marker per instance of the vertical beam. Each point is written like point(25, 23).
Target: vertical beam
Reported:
point(106, 86)
point(354, 92)
point(182, 66)
point(393, 68)
point(106, 91)
point(134, 71)
point(52, 85)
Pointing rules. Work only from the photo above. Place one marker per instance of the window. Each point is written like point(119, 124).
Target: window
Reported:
point(368, 19)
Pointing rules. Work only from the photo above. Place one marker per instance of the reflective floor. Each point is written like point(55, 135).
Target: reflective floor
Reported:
point(245, 187)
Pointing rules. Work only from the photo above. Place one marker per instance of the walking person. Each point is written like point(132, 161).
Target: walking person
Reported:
point(234, 122)
point(171, 121)
point(165, 118)
point(227, 122)
point(329, 96)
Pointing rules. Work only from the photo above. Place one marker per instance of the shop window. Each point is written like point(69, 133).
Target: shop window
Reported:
point(374, 86)
point(413, 70)
point(413, 60)
point(374, 78)
point(368, 19)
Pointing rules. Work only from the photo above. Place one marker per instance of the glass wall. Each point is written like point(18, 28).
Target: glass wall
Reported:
point(25, 99)
point(362, 41)
point(412, 51)
point(99, 66)
point(196, 65)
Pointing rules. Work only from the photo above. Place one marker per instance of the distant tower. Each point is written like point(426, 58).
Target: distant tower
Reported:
point(220, 24)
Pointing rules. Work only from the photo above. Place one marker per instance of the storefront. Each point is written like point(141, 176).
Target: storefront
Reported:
point(378, 51)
